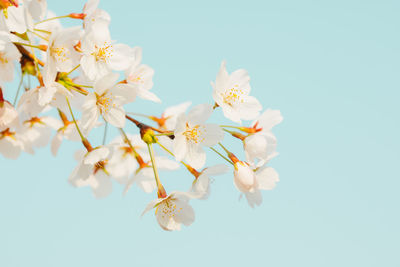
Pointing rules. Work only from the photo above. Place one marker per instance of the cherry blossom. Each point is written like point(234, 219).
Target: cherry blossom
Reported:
point(191, 133)
point(173, 211)
point(231, 93)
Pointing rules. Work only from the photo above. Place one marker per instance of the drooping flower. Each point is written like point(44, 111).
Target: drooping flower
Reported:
point(231, 93)
point(92, 171)
point(8, 115)
point(68, 131)
point(192, 133)
point(11, 144)
point(9, 54)
point(201, 185)
point(37, 130)
point(173, 211)
point(261, 145)
point(250, 182)
point(106, 100)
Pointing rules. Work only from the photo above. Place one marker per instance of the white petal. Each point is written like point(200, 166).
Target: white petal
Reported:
point(116, 117)
point(180, 147)
point(267, 178)
point(96, 155)
point(213, 135)
point(200, 114)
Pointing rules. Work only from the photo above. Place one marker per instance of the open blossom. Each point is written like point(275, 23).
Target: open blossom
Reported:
point(201, 185)
point(61, 54)
point(94, 15)
point(92, 171)
point(262, 144)
point(9, 55)
point(192, 133)
point(231, 93)
point(15, 21)
point(250, 182)
point(107, 100)
point(100, 55)
point(173, 211)
point(140, 76)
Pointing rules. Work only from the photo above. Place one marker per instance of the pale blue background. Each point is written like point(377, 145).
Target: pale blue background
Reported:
point(331, 67)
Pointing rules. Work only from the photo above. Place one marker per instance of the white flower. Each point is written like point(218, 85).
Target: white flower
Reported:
point(100, 56)
point(94, 15)
point(201, 185)
point(61, 54)
point(123, 161)
point(52, 92)
point(107, 100)
point(9, 54)
point(29, 103)
point(262, 144)
point(91, 171)
point(8, 116)
point(173, 211)
point(140, 76)
point(191, 133)
point(67, 131)
point(11, 144)
point(37, 131)
point(36, 8)
point(231, 93)
point(15, 21)
point(250, 182)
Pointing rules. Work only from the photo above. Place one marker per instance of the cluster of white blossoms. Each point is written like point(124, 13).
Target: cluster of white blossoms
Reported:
point(71, 80)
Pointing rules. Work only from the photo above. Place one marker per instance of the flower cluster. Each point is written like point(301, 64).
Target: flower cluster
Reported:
point(77, 85)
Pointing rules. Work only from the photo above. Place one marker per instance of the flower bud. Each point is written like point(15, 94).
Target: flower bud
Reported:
point(244, 177)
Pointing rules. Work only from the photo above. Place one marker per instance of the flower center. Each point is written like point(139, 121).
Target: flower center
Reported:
point(233, 95)
point(59, 53)
point(105, 102)
point(104, 52)
point(168, 209)
point(100, 166)
point(194, 134)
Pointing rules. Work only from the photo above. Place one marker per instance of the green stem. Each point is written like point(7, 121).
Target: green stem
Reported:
point(172, 154)
point(73, 118)
point(225, 158)
point(73, 69)
point(153, 164)
point(38, 35)
point(40, 30)
point(19, 88)
point(105, 133)
point(165, 134)
point(49, 19)
point(226, 150)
